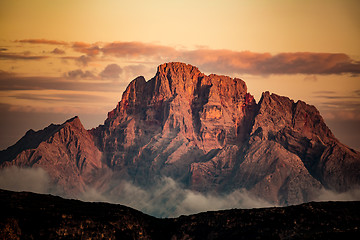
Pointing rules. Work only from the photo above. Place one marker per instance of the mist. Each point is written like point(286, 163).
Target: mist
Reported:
point(25, 179)
point(328, 195)
point(166, 198)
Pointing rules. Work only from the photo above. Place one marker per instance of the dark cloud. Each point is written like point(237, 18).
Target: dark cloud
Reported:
point(111, 71)
point(42, 41)
point(58, 51)
point(3, 49)
point(83, 60)
point(24, 56)
point(80, 74)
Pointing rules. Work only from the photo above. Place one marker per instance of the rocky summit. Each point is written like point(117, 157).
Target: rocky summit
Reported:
point(206, 132)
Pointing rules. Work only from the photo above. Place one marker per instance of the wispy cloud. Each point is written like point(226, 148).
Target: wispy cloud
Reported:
point(42, 41)
point(138, 49)
point(266, 63)
point(221, 61)
point(87, 48)
point(17, 56)
point(72, 80)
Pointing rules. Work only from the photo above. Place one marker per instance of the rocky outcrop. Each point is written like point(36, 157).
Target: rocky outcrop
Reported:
point(204, 131)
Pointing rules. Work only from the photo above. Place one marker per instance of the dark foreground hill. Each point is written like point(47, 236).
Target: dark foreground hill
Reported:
point(27, 215)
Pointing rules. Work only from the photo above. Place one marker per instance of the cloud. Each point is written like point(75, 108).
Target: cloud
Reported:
point(221, 61)
point(58, 51)
point(266, 63)
point(138, 49)
point(80, 74)
point(167, 198)
point(83, 60)
point(24, 56)
point(25, 179)
point(42, 41)
point(310, 78)
point(89, 49)
point(69, 81)
point(328, 195)
point(60, 97)
point(111, 71)
point(164, 199)
point(245, 62)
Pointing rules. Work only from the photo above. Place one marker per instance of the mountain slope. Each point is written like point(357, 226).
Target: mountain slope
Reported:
point(66, 152)
point(204, 131)
point(34, 216)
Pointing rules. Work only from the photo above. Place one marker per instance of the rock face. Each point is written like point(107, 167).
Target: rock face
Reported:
point(34, 216)
point(205, 132)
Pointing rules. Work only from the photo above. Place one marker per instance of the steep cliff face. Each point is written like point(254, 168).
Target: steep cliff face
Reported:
point(204, 131)
point(175, 120)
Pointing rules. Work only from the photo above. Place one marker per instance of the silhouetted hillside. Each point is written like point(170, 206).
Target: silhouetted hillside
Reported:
point(34, 216)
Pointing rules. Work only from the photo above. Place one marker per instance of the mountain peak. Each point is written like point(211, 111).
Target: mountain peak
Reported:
point(74, 122)
point(176, 67)
point(204, 131)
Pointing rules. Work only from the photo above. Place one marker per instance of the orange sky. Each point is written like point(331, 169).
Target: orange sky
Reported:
point(62, 58)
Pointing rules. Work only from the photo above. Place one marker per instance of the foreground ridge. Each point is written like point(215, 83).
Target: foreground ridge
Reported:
point(34, 216)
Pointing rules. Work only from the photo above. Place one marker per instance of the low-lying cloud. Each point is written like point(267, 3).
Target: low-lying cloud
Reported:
point(328, 195)
point(166, 198)
point(25, 179)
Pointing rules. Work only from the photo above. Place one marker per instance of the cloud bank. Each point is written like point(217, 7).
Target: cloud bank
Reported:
point(166, 198)
point(25, 179)
point(222, 61)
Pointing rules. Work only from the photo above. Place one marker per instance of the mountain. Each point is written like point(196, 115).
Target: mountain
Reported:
point(33, 216)
point(66, 152)
point(204, 131)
